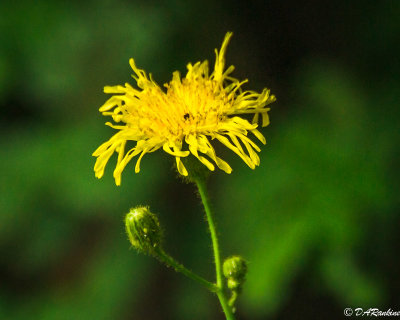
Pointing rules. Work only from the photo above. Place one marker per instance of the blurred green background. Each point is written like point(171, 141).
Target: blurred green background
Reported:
point(318, 221)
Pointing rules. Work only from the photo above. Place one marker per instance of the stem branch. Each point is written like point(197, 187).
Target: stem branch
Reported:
point(169, 261)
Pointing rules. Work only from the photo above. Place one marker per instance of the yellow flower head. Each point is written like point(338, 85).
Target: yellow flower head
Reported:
point(191, 111)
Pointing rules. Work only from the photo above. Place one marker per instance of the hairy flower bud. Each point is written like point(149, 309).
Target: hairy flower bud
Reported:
point(235, 269)
point(143, 229)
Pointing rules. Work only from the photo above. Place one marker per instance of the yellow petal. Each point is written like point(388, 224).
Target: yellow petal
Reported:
point(178, 153)
point(137, 167)
point(242, 155)
point(259, 136)
point(181, 168)
point(220, 58)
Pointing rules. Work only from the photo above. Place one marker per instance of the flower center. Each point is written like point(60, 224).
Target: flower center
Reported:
point(198, 104)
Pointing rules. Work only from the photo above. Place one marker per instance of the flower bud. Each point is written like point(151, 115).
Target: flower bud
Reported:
point(143, 229)
point(235, 269)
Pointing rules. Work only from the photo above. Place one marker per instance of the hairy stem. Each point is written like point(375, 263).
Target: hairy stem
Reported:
point(217, 256)
point(169, 261)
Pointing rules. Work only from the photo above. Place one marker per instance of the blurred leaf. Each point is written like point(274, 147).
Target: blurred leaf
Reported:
point(314, 182)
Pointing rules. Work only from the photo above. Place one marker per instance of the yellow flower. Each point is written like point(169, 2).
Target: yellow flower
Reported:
point(191, 111)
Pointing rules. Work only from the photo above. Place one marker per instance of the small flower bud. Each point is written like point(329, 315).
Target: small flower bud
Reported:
point(235, 269)
point(233, 284)
point(143, 229)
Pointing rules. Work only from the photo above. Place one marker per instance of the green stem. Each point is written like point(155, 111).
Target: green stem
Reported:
point(168, 260)
point(225, 306)
point(217, 256)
